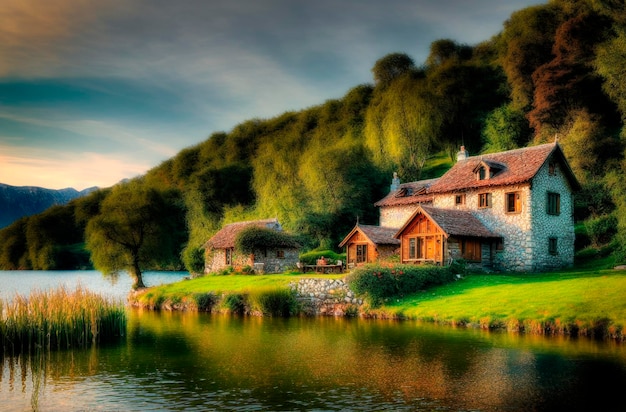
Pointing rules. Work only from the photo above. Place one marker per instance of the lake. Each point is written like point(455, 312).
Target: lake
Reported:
point(196, 361)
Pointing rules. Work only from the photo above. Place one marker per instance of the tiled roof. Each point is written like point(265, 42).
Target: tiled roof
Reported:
point(408, 193)
point(225, 237)
point(514, 167)
point(452, 222)
point(378, 235)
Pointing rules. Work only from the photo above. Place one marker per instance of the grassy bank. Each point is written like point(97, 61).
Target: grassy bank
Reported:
point(232, 293)
point(587, 301)
point(59, 319)
point(576, 302)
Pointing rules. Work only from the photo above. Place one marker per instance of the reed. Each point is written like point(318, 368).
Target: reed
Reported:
point(59, 319)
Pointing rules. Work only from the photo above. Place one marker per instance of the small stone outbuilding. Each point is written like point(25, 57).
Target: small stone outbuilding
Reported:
point(221, 253)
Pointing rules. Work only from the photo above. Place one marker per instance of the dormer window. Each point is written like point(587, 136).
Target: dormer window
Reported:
point(482, 173)
point(487, 169)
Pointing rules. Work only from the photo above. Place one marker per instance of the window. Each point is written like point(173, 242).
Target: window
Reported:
point(229, 257)
point(471, 250)
point(499, 245)
point(553, 246)
point(484, 200)
point(513, 202)
point(482, 173)
point(554, 204)
point(459, 200)
point(416, 248)
point(552, 169)
point(280, 254)
point(361, 253)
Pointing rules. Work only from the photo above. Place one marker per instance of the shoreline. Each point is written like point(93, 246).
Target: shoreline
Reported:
point(337, 302)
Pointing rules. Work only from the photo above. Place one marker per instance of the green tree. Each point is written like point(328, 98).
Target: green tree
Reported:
point(610, 62)
point(393, 65)
point(463, 89)
point(525, 44)
point(568, 83)
point(505, 129)
point(138, 226)
point(49, 234)
point(13, 246)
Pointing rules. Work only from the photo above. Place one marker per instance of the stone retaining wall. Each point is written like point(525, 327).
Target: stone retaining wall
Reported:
point(330, 297)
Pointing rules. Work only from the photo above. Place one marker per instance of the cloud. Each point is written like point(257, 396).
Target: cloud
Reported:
point(58, 170)
point(141, 79)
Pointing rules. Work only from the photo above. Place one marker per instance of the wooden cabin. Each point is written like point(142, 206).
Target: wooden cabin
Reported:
point(368, 244)
point(438, 236)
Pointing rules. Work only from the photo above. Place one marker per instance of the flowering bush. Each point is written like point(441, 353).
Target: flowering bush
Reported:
point(376, 282)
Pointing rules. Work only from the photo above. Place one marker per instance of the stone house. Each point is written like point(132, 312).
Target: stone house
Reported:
point(220, 251)
point(510, 211)
point(368, 244)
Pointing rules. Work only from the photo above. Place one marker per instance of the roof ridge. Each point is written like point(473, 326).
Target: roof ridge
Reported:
point(511, 151)
point(272, 219)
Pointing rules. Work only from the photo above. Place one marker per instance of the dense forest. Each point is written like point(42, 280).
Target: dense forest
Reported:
point(555, 70)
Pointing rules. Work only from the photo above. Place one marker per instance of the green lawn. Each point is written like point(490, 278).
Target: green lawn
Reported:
point(230, 283)
point(581, 300)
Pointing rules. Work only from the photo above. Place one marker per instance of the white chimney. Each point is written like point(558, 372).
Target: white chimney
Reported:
point(462, 154)
point(395, 182)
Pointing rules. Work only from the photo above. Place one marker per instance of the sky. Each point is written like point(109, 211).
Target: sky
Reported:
point(92, 92)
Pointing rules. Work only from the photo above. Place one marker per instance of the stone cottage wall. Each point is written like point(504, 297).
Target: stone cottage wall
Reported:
point(515, 228)
point(214, 260)
point(265, 261)
point(330, 297)
point(396, 216)
point(269, 262)
point(547, 226)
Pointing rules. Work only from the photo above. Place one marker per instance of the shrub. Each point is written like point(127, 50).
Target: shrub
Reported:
point(226, 271)
point(234, 302)
point(205, 301)
point(275, 302)
point(376, 283)
point(253, 238)
point(310, 258)
point(586, 254)
point(601, 229)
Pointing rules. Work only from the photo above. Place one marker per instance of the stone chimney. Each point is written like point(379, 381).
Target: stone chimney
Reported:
point(395, 182)
point(462, 154)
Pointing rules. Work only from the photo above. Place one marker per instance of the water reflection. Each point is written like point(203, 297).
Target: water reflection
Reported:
point(174, 361)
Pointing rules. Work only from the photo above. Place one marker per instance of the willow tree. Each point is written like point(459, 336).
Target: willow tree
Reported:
point(138, 227)
point(400, 125)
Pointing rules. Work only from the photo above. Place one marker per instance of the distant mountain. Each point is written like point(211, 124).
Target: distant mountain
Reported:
point(20, 201)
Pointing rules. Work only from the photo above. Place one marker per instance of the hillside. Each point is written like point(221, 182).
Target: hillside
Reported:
point(555, 70)
point(20, 201)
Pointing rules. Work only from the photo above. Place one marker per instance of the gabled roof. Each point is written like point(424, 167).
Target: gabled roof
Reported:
point(451, 222)
point(514, 167)
point(378, 235)
point(225, 237)
point(510, 167)
point(408, 193)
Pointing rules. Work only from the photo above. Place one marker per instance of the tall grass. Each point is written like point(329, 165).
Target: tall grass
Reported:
point(59, 319)
point(274, 301)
